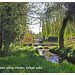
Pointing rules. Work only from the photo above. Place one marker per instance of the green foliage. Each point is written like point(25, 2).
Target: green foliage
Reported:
point(40, 47)
point(68, 51)
point(48, 43)
point(30, 44)
point(13, 19)
point(53, 20)
point(69, 32)
point(22, 56)
point(46, 47)
point(35, 44)
point(25, 44)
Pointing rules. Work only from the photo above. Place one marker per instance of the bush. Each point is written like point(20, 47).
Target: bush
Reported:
point(46, 47)
point(36, 45)
point(30, 44)
point(36, 51)
point(40, 48)
point(43, 44)
point(25, 44)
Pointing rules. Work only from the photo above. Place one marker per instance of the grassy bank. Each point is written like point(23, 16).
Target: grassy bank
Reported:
point(49, 43)
point(67, 52)
point(25, 56)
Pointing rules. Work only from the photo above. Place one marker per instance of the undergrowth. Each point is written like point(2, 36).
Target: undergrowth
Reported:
point(25, 56)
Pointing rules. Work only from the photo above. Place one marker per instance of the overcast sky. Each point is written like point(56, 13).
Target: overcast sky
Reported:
point(35, 22)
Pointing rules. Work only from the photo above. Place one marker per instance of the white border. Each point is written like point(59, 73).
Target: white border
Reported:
point(37, 0)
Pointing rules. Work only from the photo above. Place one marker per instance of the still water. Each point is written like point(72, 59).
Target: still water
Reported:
point(51, 56)
point(48, 55)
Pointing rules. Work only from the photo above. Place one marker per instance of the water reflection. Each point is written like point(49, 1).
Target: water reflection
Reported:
point(38, 46)
point(50, 57)
point(54, 59)
point(40, 52)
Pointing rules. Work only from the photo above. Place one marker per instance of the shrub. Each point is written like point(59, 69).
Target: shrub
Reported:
point(30, 44)
point(36, 45)
point(40, 48)
point(43, 44)
point(25, 44)
point(46, 47)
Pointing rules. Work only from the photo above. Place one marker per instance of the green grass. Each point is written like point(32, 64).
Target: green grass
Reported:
point(25, 56)
point(69, 43)
point(68, 51)
point(49, 43)
point(25, 44)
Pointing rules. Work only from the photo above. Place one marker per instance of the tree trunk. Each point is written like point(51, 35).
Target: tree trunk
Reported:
point(43, 38)
point(6, 45)
point(1, 35)
point(61, 35)
point(1, 39)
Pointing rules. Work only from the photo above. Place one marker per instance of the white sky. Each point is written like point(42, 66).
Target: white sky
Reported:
point(35, 28)
point(35, 25)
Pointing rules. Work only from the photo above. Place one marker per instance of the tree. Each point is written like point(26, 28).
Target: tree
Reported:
point(53, 19)
point(13, 19)
point(56, 12)
point(69, 16)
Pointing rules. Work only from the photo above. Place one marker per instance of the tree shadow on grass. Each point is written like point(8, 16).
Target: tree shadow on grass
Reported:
point(21, 58)
point(17, 57)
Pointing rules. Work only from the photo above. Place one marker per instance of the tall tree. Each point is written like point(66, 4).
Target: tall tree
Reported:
point(69, 16)
point(13, 22)
point(56, 12)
